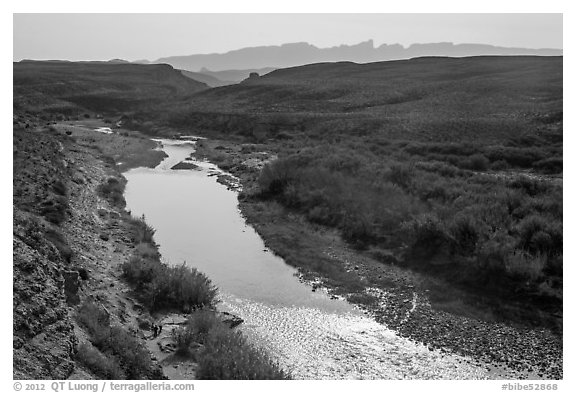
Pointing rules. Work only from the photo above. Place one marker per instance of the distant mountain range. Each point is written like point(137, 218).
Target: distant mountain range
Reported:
point(296, 54)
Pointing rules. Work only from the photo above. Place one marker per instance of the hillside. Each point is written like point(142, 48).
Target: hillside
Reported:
point(76, 87)
point(430, 98)
point(231, 77)
point(452, 167)
point(209, 80)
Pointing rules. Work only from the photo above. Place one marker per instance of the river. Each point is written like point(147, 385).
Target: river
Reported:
point(197, 220)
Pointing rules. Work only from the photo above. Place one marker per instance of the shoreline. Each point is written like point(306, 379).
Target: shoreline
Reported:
point(399, 297)
point(165, 349)
point(96, 239)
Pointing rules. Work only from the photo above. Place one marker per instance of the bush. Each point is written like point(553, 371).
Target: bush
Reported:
point(160, 285)
point(227, 355)
point(59, 188)
point(276, 176)
point(465, 233)
point(96, 321)
point(113, 191)
point(500, 165)
point(526, 266)
point(189, 288)
point(539, 236)
point(356, 229)
point(530, 186)
point(141, 231)
point(401, 175)
point(550, 165)
point(133, 356)
point(54, 209)
point(101, 365)
point(478, 162)
point(429, 236)
point(201, 322)
point(184, 337)
point(59, 241)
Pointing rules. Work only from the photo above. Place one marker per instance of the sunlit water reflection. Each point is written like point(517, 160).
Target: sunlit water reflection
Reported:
point(197, 220)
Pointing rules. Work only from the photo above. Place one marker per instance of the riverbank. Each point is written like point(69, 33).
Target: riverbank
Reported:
point(408, 302)
point(89, 240)
point(110, 319)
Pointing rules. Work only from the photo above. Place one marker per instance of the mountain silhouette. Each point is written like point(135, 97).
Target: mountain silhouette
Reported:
point(300, 53)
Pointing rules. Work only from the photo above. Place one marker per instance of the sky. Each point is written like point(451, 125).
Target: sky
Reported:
point(151, 36)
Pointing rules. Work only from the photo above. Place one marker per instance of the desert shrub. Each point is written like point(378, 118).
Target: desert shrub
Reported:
point(59, 188)
point(537, 235)
point(140, 271)
point(464, 231)
point(550, 165)
point(98, 363)
point(160, 285)
point(513, 200)
point(113, 191)
point(400, 175)
point(132, 355)
point(227, 355)
point(546, 205)
point(96, 321)
point(499, 165)
point(530, 186)
point(527, 266)
point(59, 241)
point(515, 156)
point(442, 168)
point(190, 288)
point(54, 209)
point(426, 149)
point(141, 231)
point(275, 176)
point(183, 337)
point(115, 342)
point(477, 162)
point(147, 251)
point(201, 322)
point(429, 236)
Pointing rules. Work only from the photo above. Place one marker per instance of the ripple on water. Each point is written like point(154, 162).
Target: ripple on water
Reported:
point(313, 344)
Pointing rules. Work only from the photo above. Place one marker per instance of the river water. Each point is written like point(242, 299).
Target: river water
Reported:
point(197, 220)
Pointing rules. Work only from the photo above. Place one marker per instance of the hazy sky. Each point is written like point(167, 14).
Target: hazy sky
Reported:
point(150, 36)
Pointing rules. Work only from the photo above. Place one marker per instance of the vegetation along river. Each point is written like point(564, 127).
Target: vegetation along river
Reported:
point(197, 220)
